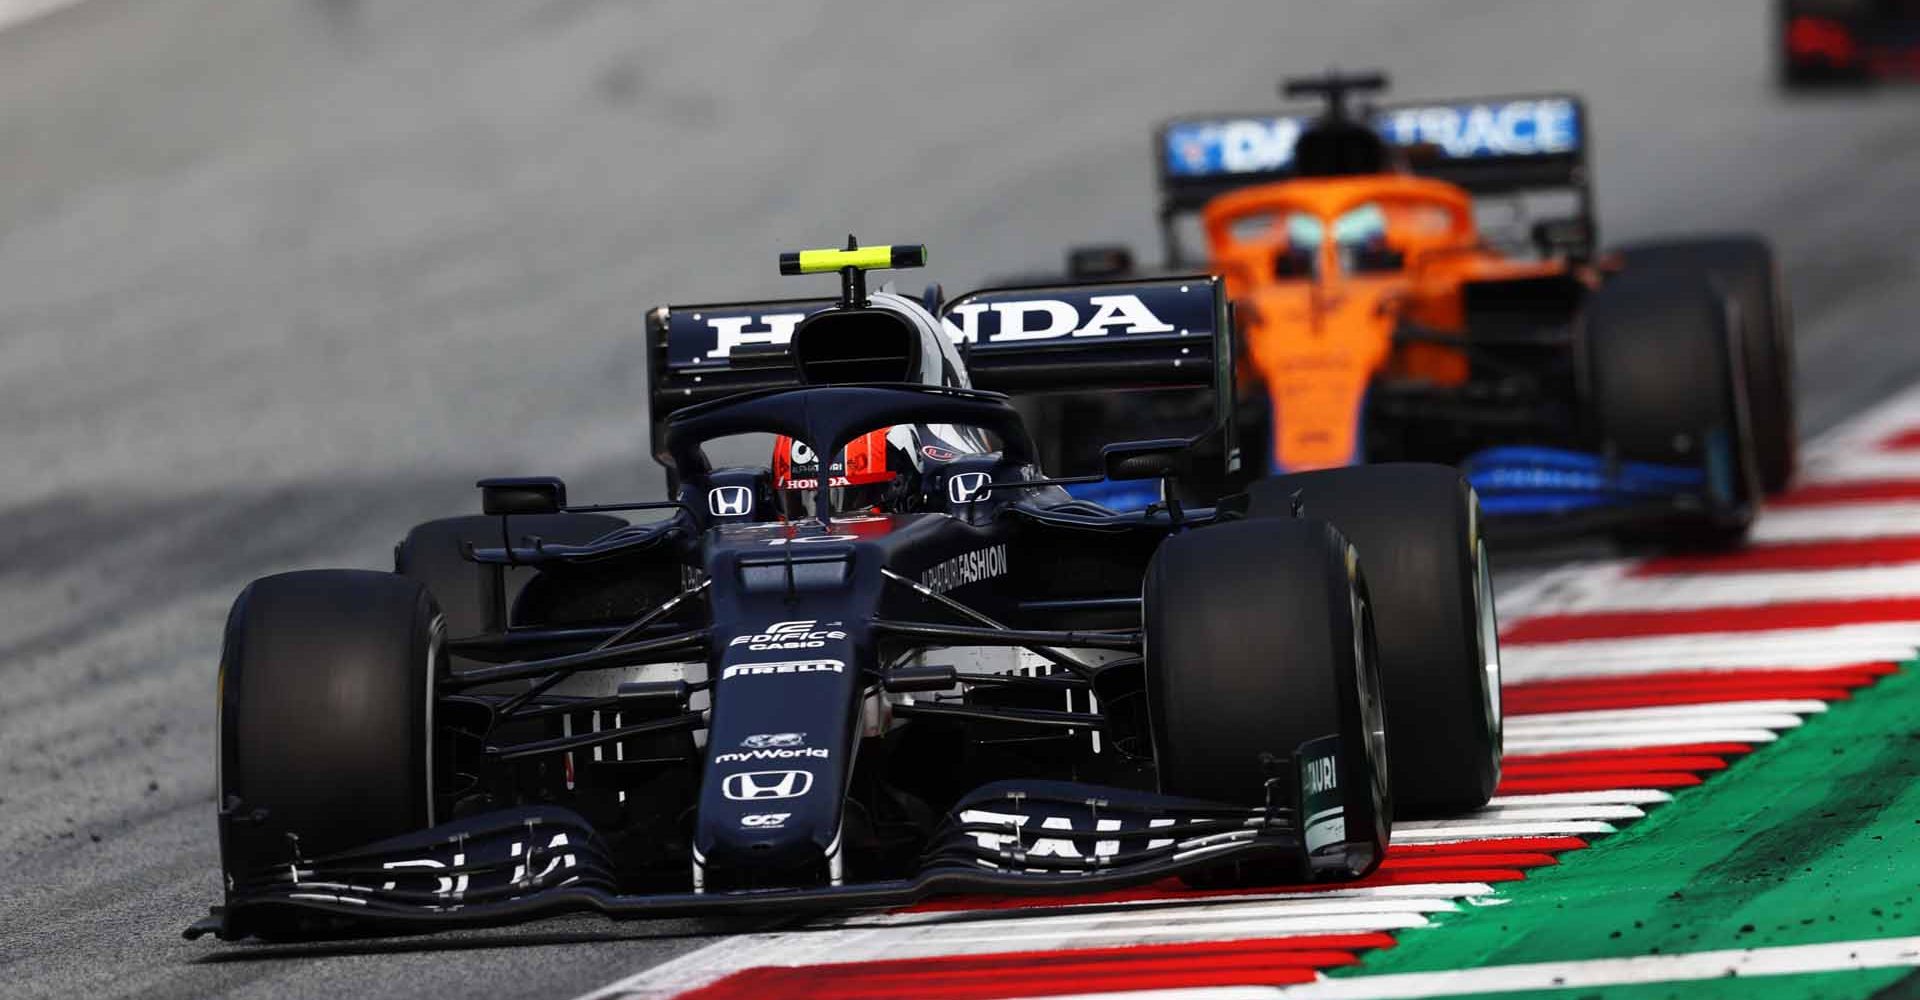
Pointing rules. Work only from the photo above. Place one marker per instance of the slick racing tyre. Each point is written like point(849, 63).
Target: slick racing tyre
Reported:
point(1743, 269)
point(431, 554)
point(327, 681)
point(1664, 365)
point(1259, 640)
point(1418, 529)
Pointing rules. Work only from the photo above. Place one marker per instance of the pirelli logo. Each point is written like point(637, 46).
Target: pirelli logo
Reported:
point(973, 567)
point(787, 667)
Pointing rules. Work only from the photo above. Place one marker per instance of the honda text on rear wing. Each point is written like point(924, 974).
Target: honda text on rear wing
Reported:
point(1164, 333)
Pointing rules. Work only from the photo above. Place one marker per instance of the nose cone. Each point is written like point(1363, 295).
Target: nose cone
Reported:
point(778, 747)
point(769, 822)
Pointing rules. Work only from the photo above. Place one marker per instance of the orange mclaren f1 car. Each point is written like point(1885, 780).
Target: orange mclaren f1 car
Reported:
point(1384, 314)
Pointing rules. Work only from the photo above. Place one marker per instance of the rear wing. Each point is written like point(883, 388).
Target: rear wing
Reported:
point(1162, 333)
point(1490, 146)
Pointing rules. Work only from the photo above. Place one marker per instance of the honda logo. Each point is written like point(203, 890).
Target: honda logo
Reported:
point(730, 501)
point(752, 786)
point(966, 487)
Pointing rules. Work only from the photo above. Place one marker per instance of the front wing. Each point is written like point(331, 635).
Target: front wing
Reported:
point(1549, 491)
point(1018, 838)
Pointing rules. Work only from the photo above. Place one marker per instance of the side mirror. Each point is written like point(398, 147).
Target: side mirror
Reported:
point(522, 495)
point(1156, 459)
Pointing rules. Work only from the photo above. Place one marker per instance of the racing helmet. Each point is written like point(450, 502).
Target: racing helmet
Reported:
point(866, 478)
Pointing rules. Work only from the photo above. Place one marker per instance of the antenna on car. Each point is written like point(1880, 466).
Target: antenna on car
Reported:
point(1339, 143)
point(853, 263)
point(1334, 86)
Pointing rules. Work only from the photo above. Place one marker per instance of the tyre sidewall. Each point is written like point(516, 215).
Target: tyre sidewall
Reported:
point(327, 687)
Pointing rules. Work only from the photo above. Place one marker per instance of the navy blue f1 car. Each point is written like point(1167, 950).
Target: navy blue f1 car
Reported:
point(897, 660)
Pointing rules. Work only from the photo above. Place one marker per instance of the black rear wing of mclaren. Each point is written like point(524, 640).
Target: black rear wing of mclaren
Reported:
point(1491, 146)
point(1161, 333)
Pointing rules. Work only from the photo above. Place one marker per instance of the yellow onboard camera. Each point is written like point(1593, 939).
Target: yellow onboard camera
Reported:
point(853, 262)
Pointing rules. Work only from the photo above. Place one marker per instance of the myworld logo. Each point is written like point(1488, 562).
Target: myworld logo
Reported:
point(744, 756)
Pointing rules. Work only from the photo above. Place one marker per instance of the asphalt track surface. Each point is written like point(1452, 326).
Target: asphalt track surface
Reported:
point(279, 278)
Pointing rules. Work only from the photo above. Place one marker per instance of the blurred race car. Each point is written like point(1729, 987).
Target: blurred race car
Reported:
point(1395, 303)
point(897, 659)
point(1827, 42)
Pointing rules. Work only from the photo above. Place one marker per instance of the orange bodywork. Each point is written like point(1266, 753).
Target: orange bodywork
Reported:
point(1323, 271)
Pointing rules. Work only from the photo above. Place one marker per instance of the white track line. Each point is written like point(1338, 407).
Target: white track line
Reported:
point(1838, 522)
point(709, 964)
point(1623, 741)
point(1678, 714)
point(1891, 416)
point(1864, 465)
point(1657, 728)
point(1745, 963)
point(1780, 649)
point(1423, 890)
point(1529, 814)
point(1615, 590)
point(1500, 831)
point(1196, 912)
point(948, 941)
point(1838, 956)
point(1624, 796)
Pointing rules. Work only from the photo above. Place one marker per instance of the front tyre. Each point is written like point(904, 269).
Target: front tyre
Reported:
point(1743, 269)
point(1421, 540)
point(326, 742)
point(1665, 383)
point(1259, 641)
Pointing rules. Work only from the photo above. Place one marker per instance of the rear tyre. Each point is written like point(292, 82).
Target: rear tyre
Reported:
point(1664, 366)
point(327, 681)
point(1418, 530)
point(1259, 640)
point(1743, 269)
